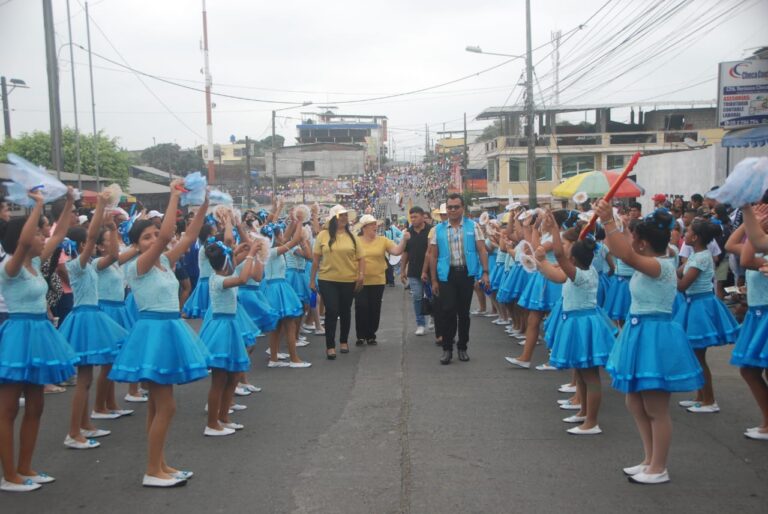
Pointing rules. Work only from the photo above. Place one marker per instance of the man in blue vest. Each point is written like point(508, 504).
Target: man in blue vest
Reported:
point(458, 259)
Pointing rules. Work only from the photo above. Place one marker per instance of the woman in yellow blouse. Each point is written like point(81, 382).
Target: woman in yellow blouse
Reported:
point(368, 299)
point(338, 256)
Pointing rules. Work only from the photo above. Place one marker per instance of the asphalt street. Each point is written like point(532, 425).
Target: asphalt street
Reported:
point(388, 429)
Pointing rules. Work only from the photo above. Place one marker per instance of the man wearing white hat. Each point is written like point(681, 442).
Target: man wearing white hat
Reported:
point(458, 258)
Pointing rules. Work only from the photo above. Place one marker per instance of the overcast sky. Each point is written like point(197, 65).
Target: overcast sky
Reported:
point(328, 52)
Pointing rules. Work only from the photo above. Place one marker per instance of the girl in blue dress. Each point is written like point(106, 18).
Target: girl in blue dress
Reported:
point(652, 358)
point(751, 351)
point(161, 349)
point(32, 352)
point(295, 261)
point(280, 295)
point(222, 334)
point(584, 336)
point(199, 300)
point(94, 337)
point(703, 316)
point(540, 294)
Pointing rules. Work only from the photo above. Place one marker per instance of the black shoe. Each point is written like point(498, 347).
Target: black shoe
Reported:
point(463, 357)
point(373, 342)
point(360, 342)
point(446, 358)
point(330, 356)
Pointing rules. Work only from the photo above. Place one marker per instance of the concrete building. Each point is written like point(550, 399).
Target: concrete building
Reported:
point(318, 160)
point(369, 131)
point(568, 149)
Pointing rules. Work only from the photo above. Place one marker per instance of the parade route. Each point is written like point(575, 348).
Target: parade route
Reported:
point(387, 429)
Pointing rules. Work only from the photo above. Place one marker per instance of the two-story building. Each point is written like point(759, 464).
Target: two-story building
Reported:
point(566, 148)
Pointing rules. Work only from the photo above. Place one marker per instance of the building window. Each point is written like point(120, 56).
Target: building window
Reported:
point(617, 161)
point(575, 164)
point(517, 169)
point(307, 165)
point(238, 152)
point(493, 171)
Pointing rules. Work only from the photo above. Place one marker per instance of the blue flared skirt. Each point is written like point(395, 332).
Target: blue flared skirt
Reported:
point(252, 299)
point(504, 291)
point(93, 335)
point(678, 304)
point(617, 298)
point(552, 323)
point(496, 276)
point(222, 336)
point(133, 309)
point(653, 353)
point(249, 331)
point(540, 294)
point(297, 280)
point(163, 349)
point(707, 321)
point(33, 352)
point(751, 348)
point(282, 298)
point(584, 339)
point(602, 288)
point(117, 312)
point(199, 300)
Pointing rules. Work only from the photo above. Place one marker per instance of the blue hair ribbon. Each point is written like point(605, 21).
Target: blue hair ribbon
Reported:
point(651, 218)
point(69, 247)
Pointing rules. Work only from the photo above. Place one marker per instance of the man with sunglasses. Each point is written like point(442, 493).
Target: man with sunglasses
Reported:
point(458, 258)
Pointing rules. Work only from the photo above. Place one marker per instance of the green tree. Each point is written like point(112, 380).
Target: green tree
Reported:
point(170, 157)
point(490, 132)
point(36, 147)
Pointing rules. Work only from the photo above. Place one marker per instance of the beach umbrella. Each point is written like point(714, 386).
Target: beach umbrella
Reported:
point(596, 184)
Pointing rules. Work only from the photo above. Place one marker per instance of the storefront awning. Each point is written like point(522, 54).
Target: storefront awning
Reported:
point(755, 136)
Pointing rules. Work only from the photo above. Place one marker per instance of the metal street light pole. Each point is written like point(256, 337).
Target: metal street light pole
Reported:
point(529, 108)
point(78, 166)
point(54, 106)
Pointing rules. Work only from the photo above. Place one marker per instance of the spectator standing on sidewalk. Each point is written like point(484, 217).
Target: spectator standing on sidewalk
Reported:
point(412, 263)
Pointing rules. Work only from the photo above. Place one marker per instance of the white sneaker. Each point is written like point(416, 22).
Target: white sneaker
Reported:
point(566, 388)
point(704, 409)
point(150, 481)
point(135, 399)
point(430, 324)
point(589, 431)
point(280, 356)
point(490, 314)
point(229, 411)
point(301, 343)
point(233, 426)
point(305, 330)
point(634, 470)
point(319, 332)
point(40, 478)
point(252, 388)
point(308, 327)
point(519, 363)
point(419, 331)
point(93, 434)
point(757, 435)
point(212, 432)
point(74, 444)
point(303, 364)
point(278, 364)
point(545, 367)
point(11, 487)
point(237, 407)
point(242, 391)
point(570, 406)
point(575, 419)
point(650, 478)
point(104, 415)
point(687, 403)
point(476, 312)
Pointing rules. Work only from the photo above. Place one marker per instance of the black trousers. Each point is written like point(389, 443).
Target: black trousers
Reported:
point(368, 311)
point(389, 275)
point(337, 297)
point(455, 300)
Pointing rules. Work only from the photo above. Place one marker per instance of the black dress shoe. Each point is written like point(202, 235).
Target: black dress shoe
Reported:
point(373, 342)
point(446, 358)
point(463, 357)
point(360, 342)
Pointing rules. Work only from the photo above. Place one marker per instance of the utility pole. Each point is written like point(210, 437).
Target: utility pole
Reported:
point(465, 159)
point(93, 99)
point(208, 115)
point(78, 164)
point(274, 157)
point(530, 114)
point(6, 109)
point(57, 157)
point(556, 58)
point(248, 171)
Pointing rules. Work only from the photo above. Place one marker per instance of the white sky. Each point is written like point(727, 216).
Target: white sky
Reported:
point(326, 52)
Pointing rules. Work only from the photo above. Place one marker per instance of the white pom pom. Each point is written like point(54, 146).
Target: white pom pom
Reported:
point(580, 198)
point(302, 213)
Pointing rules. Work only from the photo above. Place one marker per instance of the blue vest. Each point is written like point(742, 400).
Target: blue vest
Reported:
point(444, 250)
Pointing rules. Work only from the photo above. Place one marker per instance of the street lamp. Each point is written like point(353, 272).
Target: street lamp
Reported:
point(274, 149)
point(4, 91)
point(477, 50)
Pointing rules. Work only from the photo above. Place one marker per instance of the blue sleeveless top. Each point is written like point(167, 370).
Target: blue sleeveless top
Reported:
point(25, 292)
point(581, 292)
point(757, 288)
point(654, 295)
point(703, 262)
point(156, 290)
point(110, 281)
point(84, 282)
point(223, 300)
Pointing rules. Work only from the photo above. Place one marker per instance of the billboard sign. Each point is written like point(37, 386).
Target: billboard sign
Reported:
point(742, 93)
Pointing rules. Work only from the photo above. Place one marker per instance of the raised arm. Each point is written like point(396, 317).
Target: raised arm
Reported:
point(189, 237)
point(620, 246)
point(27, 236)
point(563, 261)
point(62, 226)
point(113, 247)
point(93, 229)
point(400, 247)
point(755, 232)
point(245, 271)
point(147, 259)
